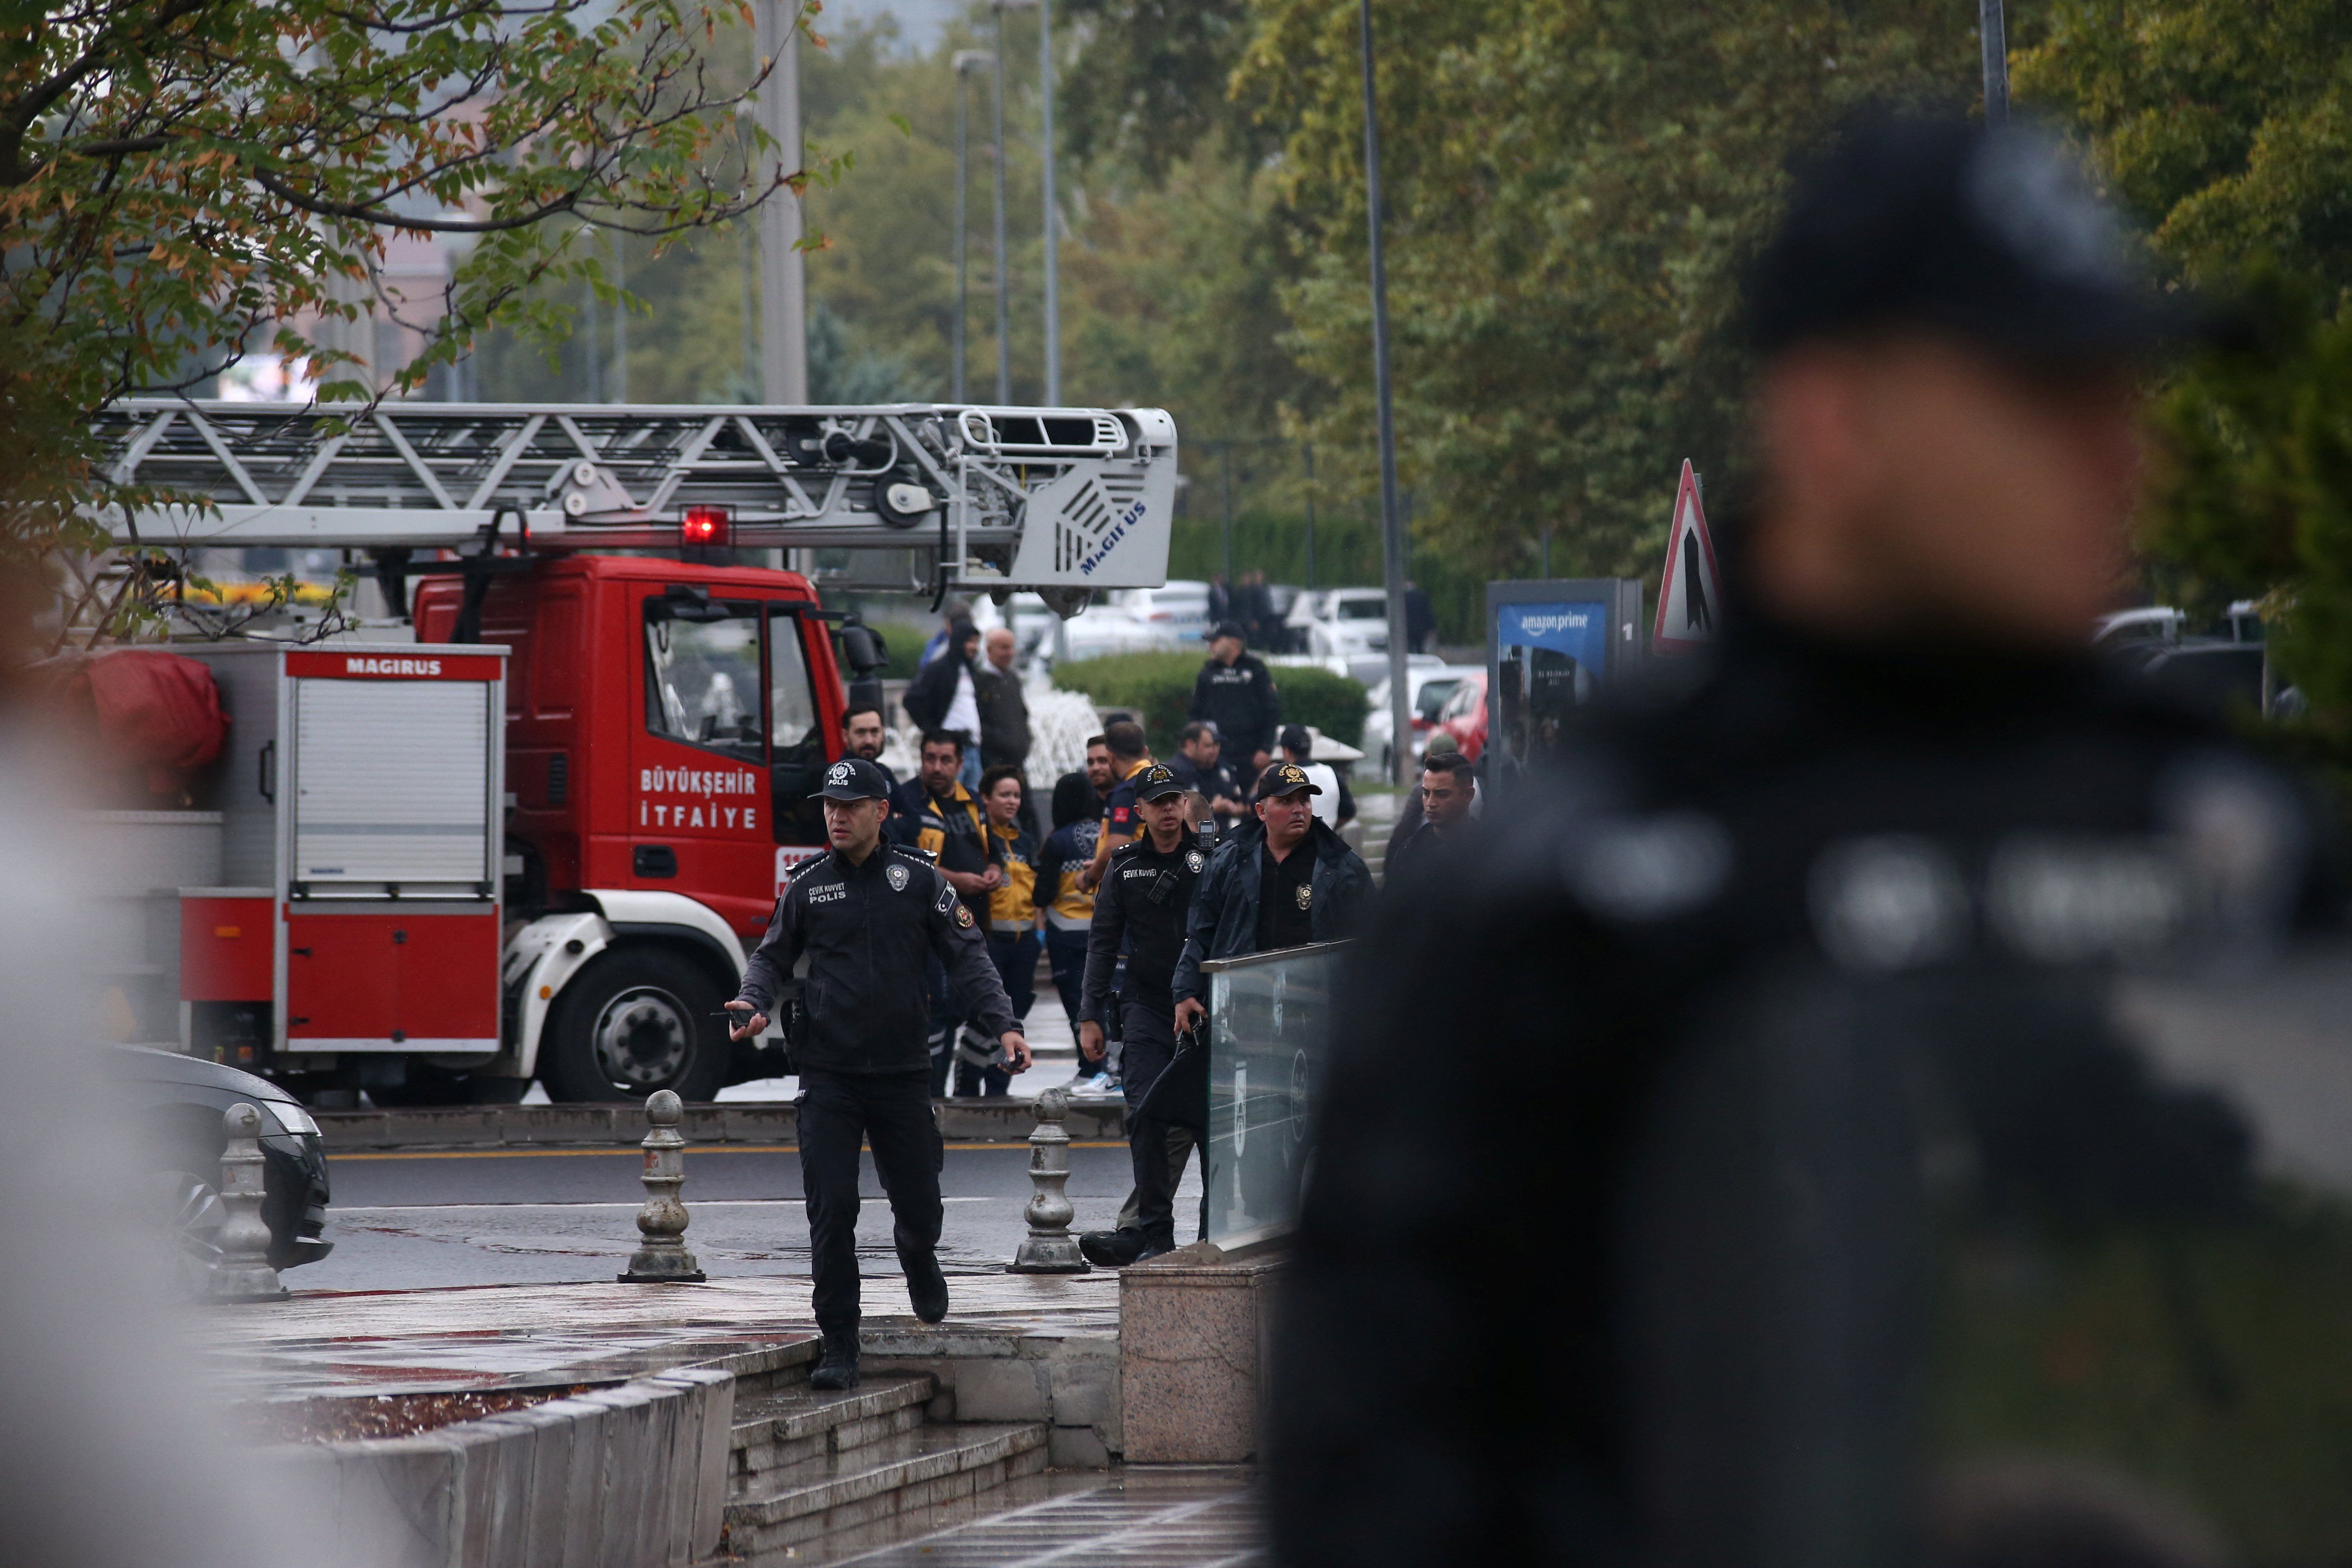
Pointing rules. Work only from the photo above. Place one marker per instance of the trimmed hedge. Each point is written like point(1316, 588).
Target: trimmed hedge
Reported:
point(1159, 686)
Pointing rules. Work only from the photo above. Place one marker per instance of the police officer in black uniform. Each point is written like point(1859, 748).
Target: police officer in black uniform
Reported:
point(864, 918)
point(1140, 912)
point(1846, 895)
point(1235, 692)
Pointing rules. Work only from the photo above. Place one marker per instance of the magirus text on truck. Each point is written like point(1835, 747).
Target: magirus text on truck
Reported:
point(538, 841)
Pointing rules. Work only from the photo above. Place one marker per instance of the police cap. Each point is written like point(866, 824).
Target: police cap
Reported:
point(1157, 781)
point(1285, 778)
point(1227, 629)
point(1994, 235)
point(855, 778)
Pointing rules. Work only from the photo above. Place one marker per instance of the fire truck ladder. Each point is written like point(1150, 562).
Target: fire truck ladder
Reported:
point(1062, 501)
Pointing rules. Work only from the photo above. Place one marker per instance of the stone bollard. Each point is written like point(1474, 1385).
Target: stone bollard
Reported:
point(243, 1273)
point(1049, 1248)
point(663, 1258)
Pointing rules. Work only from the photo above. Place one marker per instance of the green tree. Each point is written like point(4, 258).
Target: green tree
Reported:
point(179, 177)
point(2225, 129)
point(1572, 187)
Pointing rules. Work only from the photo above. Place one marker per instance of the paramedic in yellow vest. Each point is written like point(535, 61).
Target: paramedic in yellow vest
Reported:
point(946, 825)
point(1012, 904)
point(1069, 909)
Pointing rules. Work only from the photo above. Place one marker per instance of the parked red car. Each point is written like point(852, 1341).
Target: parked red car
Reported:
point(1464, 717)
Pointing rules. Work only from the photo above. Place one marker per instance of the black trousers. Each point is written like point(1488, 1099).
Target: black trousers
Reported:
point(1150, 1045)
point(893, 1112)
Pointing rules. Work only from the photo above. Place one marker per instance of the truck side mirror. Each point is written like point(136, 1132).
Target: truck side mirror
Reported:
point(863, 648)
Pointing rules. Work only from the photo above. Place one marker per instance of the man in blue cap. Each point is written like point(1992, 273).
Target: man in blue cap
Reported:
point(866, 915)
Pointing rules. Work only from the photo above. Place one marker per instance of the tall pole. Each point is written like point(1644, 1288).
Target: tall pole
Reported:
point(1053, 215)
point(1226, 451)
point(620, 387)
point(783, 280)
point(1392, 517)
point(964, 62)
point(591, 356)
point(1003, 299)
point(1993, 32)
point(750, 235)
point(1308, 451)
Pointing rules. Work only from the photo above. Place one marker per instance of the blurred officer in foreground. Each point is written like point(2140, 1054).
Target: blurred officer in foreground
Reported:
point(1874, 859)
point(868, 916)
point(1139, 913)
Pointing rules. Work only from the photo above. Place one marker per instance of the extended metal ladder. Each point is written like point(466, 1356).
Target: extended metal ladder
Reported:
point(1058, 499)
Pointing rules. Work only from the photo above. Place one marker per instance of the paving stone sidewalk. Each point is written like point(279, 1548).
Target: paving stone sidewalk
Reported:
point(321, 1343)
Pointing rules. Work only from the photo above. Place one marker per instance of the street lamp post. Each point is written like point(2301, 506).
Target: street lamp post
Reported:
point(1003, 299)
point(966, 61)
point(1392, 517)
point(1052, 240)
point(783, 283)
point(620, 317)
point(1004, 276)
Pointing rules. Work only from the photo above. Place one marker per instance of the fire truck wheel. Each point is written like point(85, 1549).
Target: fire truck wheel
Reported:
point(634, 1021)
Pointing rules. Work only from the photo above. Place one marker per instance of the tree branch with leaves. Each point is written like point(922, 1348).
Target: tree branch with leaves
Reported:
point(179, 178)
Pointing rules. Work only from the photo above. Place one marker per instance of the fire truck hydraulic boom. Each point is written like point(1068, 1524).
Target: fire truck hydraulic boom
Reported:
point(1051, 499)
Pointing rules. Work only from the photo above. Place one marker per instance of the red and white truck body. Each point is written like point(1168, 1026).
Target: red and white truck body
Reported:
point(538, 841)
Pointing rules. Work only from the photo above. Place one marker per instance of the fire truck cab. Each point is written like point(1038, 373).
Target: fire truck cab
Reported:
point(666, 727)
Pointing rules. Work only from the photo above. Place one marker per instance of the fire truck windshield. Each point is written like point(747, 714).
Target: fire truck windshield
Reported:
point(702, 679)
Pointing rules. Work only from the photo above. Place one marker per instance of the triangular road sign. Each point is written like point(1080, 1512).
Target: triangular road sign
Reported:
point(1690, 597)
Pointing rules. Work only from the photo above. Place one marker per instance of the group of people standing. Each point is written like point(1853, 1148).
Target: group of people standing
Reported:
point(915, 940)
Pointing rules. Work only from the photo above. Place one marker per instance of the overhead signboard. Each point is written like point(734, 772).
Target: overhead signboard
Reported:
point(1690, 592)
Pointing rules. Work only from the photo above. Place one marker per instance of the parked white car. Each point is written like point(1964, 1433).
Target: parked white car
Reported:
point(1344, 623)
point(1179, 609)
point(1100, 629)
point(1431, 683)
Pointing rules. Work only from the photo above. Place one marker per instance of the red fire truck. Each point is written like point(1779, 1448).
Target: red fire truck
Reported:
point(537, 840)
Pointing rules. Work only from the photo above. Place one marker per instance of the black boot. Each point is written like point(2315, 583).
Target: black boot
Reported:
point(1111, 1249)
point(926, 1288)
point(839, 1367)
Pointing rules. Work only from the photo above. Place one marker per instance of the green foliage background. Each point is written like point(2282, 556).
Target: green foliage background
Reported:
point(1158, 687)
point(2225, 130)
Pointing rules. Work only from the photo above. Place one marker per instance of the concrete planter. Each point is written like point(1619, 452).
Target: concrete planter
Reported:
point(634, 1475)
point(1193, 1352)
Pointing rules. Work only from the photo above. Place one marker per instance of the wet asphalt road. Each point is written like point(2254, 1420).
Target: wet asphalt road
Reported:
point(411, 1221)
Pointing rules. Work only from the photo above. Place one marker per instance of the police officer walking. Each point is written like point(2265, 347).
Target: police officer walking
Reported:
point(865, 917)
point(1140, 911)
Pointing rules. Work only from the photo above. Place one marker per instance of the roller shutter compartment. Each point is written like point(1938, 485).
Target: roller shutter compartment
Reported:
point(391, 786)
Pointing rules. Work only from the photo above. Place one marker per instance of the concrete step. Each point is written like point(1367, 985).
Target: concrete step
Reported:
point(794, 1425)
point(879, 1479)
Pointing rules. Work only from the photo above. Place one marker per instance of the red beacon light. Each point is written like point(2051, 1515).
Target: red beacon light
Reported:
point(705, 525)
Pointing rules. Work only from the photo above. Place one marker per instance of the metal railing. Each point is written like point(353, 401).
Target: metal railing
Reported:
point(1270, 1022)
